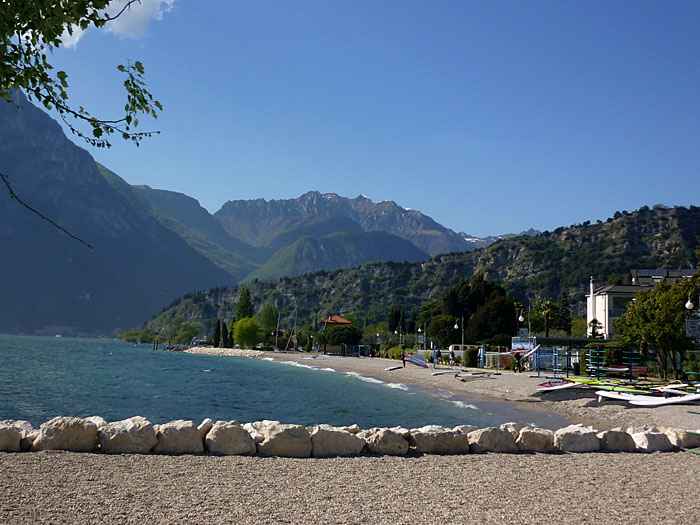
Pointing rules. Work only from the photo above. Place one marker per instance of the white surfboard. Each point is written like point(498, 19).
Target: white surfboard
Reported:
point(660, 401)
point(546, 387)
point(531, 352)
point(621, 396)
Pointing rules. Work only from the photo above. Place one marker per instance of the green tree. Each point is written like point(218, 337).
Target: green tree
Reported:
point(427, 312)
point(578, 326)
point(595, 329)
point(268, 318)
point(216, 338)
point(343, 334)
point(29, 33)
point(182, 332)
point(441, 328)
point(656, 318)
point(394, 319)
point(244, 307)
point(225, 337)
point(495, 317)
point(562, 314)
point(246, 332)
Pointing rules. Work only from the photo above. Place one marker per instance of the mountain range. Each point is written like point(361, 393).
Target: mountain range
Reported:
point(325, 253)
point(529, 267)
point(152, 246)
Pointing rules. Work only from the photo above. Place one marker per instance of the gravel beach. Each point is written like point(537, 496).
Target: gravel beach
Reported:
point(578, 406)
point(64, 487)
point(596, 488)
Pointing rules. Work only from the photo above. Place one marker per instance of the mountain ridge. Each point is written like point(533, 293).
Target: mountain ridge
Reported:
point(54, 284)
point(246, 219)
point(529, 267)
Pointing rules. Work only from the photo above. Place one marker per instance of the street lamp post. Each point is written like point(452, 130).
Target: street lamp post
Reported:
point(464, 353)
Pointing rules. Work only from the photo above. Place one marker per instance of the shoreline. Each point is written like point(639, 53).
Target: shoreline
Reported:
point(518, 390)
point(489, 488)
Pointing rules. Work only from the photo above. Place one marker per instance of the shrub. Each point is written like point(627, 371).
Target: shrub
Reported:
point(613, 355)
point(471, 356)
point(583, 363)
point(394, 352)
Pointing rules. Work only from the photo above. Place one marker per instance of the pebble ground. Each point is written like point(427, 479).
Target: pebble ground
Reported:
point(65, 487)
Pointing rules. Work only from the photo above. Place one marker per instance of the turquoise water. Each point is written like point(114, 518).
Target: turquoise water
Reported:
point(44, 377)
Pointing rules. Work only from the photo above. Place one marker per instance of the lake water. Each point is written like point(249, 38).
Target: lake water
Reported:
point(44, 377)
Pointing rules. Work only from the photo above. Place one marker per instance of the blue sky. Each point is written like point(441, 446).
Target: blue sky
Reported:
point(490, 117)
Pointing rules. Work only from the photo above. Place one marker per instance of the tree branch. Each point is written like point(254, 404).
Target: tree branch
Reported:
point(128, 4)
point(14, 196)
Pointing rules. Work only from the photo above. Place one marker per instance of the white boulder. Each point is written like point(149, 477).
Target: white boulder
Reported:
point(576, 438)
point(229, 438)
point(353, 429)
point(327, 441)
point(683, 438)
point(535, 440)
point(204, 427)
point(285, 440)
point(27, 433)
point(178, 437)
point(616, 441)
point(650, 441)
point(67, 433)
point(438, 440)
point(10, 437)
point(491, 439)
point(465, 429)
point(257, 428)
point(135, 435)
point(384, 441)
point(98, 420)
point(513, 428)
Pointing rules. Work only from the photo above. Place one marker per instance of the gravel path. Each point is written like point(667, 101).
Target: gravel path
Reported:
point(64, 487)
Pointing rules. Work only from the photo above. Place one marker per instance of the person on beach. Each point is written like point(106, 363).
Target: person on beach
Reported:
point(452, 357)
point(517, 362)
point(403, 358)
point(438, 355)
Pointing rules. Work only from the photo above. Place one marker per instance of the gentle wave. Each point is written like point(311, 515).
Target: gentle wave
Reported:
point(400, 386)
point(365, 378)
point(293, 363)
point(462, 404)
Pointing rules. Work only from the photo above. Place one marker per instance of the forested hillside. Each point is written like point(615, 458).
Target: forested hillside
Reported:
point(528, 267)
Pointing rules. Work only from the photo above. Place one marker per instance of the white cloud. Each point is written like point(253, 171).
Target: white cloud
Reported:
point(71, 40)
point(132, 23)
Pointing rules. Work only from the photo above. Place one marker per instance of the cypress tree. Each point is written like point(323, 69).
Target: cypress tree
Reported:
point(217, 334)
point(224, 336)
point(563, 313)
point(244, 307)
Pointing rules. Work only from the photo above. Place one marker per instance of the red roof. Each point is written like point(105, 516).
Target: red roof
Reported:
point(335, 319)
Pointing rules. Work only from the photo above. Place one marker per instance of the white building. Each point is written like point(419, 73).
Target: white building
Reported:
point(607, 303)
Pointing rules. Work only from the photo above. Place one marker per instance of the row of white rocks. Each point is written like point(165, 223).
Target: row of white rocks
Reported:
point(137, 435)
